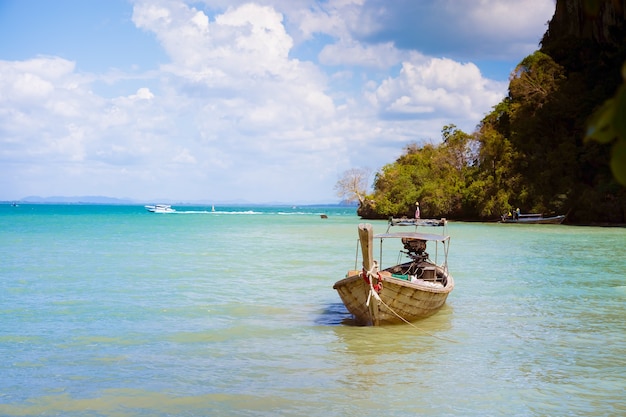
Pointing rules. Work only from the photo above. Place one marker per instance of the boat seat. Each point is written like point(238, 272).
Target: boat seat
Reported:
point(429, 273)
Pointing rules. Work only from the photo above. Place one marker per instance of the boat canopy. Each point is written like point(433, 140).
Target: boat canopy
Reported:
point(413, 235)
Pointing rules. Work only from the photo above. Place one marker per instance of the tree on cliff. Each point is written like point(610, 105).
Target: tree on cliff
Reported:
point(353, 185)
point(436, 176)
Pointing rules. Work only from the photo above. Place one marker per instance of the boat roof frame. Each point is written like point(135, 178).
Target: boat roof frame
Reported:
point(444, 239)
point(413, 235)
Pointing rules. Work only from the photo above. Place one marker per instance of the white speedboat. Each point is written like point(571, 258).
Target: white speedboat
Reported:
point(160, 208)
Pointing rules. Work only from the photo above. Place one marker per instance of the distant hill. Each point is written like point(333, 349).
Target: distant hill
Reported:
point(77, 200)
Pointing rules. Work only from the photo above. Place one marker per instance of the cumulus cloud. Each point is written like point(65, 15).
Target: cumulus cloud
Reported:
point(31, 81)
point(264, 100)
point(451, 89)
point(238, 65)
point(143, 94)
point(461, 29)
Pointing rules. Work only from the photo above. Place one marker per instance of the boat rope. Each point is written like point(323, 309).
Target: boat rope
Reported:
point(414, 326)
point(371, 275)
point(368, 277)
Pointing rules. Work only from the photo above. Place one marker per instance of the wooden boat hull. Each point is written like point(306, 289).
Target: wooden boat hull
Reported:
point(400, 300)
point(535, 220)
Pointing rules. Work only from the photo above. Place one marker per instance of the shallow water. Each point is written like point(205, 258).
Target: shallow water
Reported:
point(114, 311)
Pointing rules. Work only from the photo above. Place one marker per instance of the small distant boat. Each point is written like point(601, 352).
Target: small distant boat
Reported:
point(160, 208)
point(415, 288)
point(532, 219)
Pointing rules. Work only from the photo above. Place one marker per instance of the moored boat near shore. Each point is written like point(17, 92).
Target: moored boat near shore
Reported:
point(532, 219)
point(415, 288)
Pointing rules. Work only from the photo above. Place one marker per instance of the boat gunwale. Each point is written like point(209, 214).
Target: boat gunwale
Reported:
point(403, 283)
point(419, 286)
point(387, 275)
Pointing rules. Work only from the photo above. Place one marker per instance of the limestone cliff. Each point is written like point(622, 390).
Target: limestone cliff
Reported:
point(595, 20)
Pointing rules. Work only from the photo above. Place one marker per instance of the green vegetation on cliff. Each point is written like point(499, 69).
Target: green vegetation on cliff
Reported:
point(530, 151)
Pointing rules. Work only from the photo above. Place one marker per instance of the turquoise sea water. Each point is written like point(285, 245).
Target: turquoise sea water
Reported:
point(114, 311)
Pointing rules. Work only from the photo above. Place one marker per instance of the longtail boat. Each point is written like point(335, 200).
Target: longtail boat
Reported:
point(532, 219)
point(414, 288)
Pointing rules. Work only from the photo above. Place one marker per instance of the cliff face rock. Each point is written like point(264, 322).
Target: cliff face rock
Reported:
point(587, 38)
point(595, 20)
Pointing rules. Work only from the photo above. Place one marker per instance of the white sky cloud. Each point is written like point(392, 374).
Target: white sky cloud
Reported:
point(262, 101)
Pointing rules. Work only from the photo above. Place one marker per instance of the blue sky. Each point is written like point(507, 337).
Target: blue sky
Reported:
point(235, 100)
